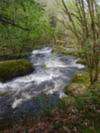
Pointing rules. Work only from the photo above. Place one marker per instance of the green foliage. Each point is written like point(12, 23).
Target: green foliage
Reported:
point(14, 68)
point(82, 77)
point(87, 130)
point(65, 102)
point(28, 14)
point(47, 111)
point(80, 102)
point(62, 104)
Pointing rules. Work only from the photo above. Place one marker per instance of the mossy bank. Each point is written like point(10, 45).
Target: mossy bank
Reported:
point(14, 68)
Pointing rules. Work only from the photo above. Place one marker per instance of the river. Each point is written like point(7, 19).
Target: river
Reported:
point(52, 73)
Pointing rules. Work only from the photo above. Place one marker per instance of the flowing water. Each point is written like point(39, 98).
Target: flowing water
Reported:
point(52, 73)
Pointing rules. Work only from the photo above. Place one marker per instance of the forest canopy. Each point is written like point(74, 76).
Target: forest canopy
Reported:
point(22, 22)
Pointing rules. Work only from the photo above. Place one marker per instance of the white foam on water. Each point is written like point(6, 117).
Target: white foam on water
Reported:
point(25, 96)
point(57, 88)
point(55, 63)
point(43, 51)
point(16, 103)
point(75, 64)
point(50, 72)
point(62, 94)
point(38, 78)
point(79, 66)
point(2, 86)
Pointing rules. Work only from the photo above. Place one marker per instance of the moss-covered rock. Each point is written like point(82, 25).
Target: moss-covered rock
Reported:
point(14, 68)
point(82, 77)
point(77, 89)
point(79, 85)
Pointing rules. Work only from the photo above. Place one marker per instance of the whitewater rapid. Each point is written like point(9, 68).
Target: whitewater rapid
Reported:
point(52, 73)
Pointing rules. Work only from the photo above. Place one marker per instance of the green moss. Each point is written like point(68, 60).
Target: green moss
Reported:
point(82, 77)
point(79, 84)
point(14, 68)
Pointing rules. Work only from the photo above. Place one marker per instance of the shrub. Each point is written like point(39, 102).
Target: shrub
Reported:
point(14, 68)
